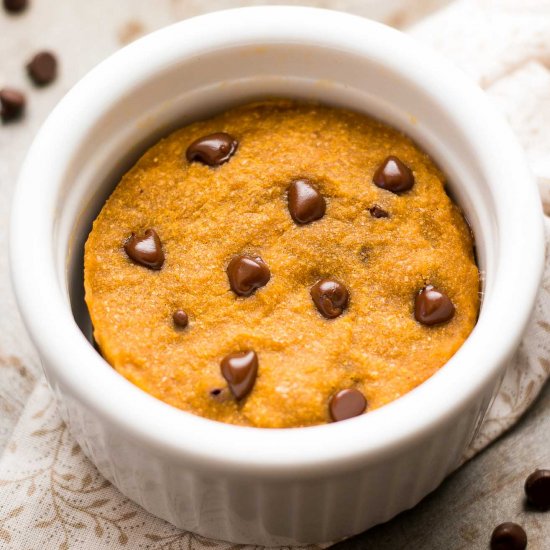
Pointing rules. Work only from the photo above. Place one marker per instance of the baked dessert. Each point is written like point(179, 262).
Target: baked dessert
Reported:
point(282, 264)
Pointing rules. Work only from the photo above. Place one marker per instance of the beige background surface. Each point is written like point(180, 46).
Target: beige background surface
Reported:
point(462, 513)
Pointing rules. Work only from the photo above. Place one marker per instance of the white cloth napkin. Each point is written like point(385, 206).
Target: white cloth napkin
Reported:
point(51, 496)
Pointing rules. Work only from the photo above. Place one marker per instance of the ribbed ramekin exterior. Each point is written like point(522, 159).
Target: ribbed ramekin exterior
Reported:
point(275, 510)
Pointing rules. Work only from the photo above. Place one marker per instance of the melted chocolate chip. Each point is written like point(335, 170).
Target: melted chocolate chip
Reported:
point(212, 150)
point(394, 175)
point(246, 274)
point(180, 318)
point(432, 307)
point(42, 68)
point(12, 103)
point(330, 296)
point(508, 536)
point(240, 370)
point(347, 404)
point(15, 6)
point(537, 489)
point(219, 395)
point(378, 212)
point(145, 249)
point(305, 203)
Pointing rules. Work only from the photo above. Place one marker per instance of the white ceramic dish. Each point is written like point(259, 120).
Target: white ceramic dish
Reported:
point(245, 484)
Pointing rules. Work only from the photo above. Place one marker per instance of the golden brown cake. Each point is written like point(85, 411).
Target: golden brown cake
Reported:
point(282, 264)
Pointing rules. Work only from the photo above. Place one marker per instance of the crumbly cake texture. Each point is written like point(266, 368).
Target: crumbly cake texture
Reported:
point(205, 216)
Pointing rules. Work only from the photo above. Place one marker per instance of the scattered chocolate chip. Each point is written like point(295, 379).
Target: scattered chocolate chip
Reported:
point(394, 175)
point(347, 404)
point(508, 536)
point(12, 103)
point(15, 6)
point(537, 489)
point(219, 395)
point(330, 296)
point(305, 203)
point(378, 212)
point(145, 249)
point(432, 307)
point(246, 274)
point(240, 370)
point(42, 68)
point(180, 318)
point(212, 150)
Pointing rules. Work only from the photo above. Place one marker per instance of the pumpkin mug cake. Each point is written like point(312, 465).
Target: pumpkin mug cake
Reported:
point(282, 264)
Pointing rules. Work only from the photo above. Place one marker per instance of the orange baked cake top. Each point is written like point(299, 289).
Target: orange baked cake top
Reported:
point(282, 264)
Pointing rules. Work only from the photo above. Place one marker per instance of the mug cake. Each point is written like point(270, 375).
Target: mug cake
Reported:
point(282, 264)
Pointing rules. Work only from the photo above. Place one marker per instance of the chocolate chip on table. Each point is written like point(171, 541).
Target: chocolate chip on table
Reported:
point(212, 150)
point(508, 536)
point(247, 274)
point(180, 318)
point(15, 6)
point(145, 249)
point(12, 103)
point(305, 203)
point(378, 212)
point(240, 370)
point(347, 404)
point(394, 175)
point(537, 489)
point(330, 297)
point(432, 306)
point(42, 68)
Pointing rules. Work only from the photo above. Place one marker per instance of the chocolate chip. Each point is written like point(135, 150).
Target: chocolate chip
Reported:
point(377, 212)
point(13, 104)
point(508, 536)
point(212, 150)
point(42, 68)
point(347, 404)
point(330, 296)
point(219, 395)
point(537, 489)
point(394, 175)
point(432, 307)
point(246, 274)
point(180, 318)
point(15, 6)
point(240, 370)
point(305, 203)
point(145, 249)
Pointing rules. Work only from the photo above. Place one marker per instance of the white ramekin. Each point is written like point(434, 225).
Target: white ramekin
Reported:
point(247, 484)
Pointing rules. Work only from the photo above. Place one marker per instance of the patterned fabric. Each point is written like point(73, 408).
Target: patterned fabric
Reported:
point(51, 496)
